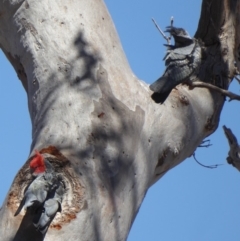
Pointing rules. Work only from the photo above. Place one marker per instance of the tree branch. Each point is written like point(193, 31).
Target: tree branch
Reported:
point(162, 33)
point(227, 93)
point(234, 152)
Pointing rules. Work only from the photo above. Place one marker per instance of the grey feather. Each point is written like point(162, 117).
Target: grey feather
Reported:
point(50, 207)
point(182, 62)
point(43, 197)
point(35, 194)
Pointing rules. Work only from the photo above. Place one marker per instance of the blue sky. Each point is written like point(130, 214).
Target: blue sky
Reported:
point(190, 202)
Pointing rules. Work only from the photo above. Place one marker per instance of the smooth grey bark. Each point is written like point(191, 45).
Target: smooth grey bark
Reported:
point(109, 139)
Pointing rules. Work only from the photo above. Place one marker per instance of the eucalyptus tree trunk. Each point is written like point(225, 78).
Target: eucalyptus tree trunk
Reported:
point(106, 136)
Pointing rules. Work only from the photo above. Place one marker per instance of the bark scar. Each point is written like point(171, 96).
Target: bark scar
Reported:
point(73, 200)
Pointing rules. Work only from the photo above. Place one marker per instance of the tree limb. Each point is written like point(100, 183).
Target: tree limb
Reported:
point(162, 33)
point(234, 152)
point(227, 93)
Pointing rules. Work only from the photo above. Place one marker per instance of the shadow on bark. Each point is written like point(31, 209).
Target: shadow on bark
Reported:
point(111, 146)
point(27, 231)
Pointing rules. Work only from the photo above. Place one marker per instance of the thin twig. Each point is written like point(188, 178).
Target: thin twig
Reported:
point(162, 33)
point(171, 21)
point(211, 167)
point(227, 93)
point(205, 145)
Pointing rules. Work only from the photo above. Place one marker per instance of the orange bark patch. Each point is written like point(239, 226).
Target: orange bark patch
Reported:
point(56, 226)
point(52, 150)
